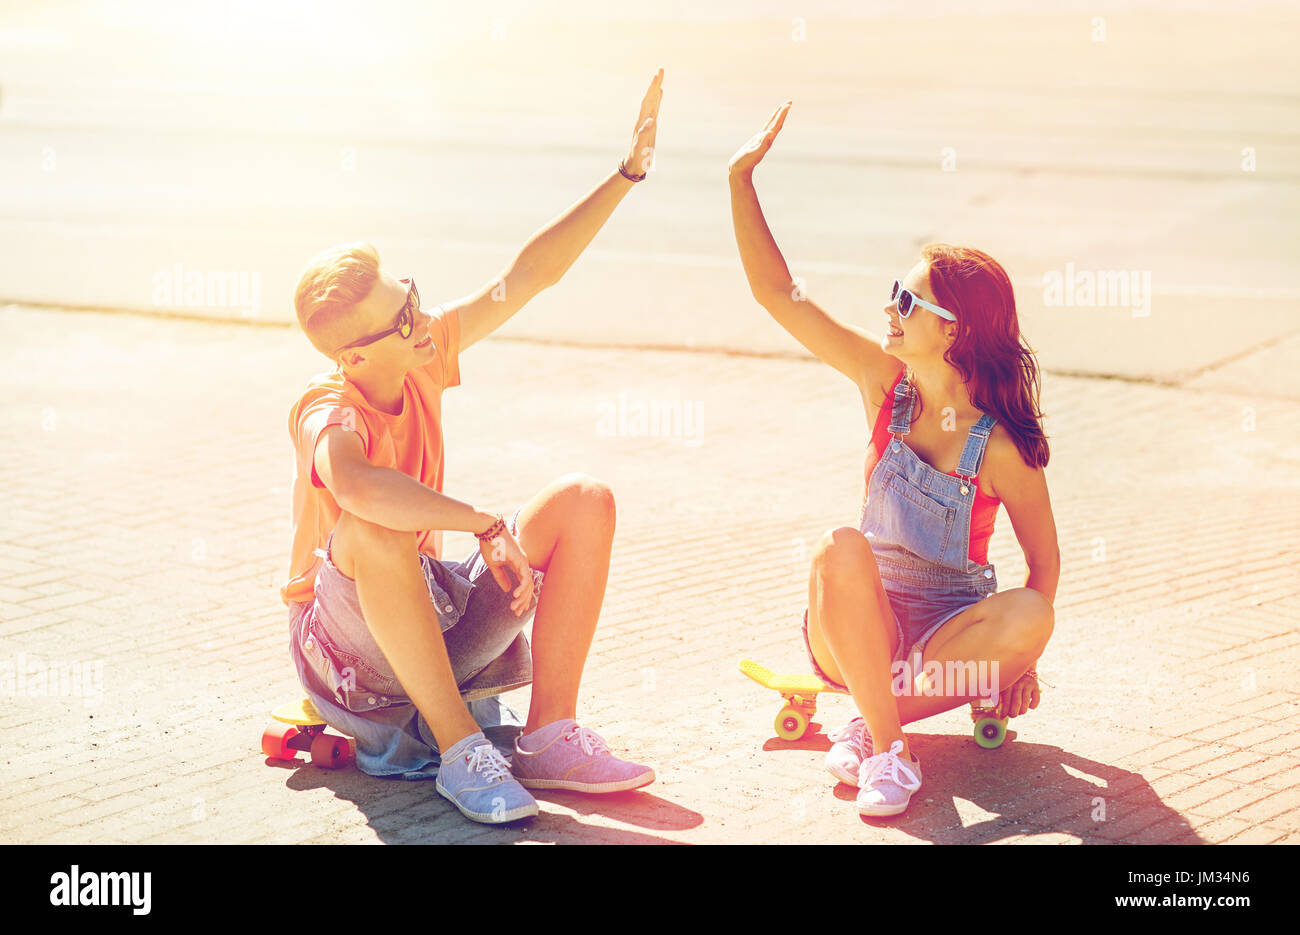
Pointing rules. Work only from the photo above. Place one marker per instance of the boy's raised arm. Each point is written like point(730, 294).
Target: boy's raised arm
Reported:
point(551, 251)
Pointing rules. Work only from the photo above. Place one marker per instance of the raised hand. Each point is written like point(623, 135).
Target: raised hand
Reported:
point(752, 153)
point(640, 157)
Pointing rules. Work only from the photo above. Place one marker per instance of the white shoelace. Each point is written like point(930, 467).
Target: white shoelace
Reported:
point(855, 734)
point(486, 760)
point(889, 764)
point(590, 741)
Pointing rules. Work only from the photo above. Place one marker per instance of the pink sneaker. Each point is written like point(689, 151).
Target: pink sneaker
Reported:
point(887, 782)
point(562, 755)
point(852, 746)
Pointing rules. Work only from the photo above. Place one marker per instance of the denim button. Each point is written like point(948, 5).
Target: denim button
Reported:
point(449, 608)
point(897, 446)
point(988, 572)
point(309, 644)
point(370, 699)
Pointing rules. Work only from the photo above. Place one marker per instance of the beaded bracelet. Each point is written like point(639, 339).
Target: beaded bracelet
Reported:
point(1033, 674)
point(492, 531)
point(622, 170)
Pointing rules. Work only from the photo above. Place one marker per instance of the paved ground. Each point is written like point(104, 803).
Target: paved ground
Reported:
point(146, 466)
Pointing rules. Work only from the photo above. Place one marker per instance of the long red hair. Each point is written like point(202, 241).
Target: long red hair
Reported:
point(999, 368)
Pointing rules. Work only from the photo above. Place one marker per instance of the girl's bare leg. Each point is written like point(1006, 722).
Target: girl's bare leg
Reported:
point(852, 632)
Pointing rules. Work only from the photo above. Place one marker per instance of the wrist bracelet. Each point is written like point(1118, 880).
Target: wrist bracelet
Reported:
point(622, 170)
point(1033, 674)
point(492, 531)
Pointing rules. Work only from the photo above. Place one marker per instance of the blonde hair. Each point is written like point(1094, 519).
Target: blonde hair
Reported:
point(330, 287)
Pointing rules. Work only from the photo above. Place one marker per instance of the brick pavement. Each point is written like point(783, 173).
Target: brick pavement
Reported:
point(145, 532)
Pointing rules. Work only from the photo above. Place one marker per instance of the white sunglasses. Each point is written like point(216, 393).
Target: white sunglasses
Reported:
point(908, 300)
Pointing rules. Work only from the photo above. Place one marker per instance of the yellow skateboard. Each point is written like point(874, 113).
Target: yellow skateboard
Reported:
point(302, 728)
point(800, 693)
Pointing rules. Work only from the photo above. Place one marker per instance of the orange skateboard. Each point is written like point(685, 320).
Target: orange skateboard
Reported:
point(302, 728)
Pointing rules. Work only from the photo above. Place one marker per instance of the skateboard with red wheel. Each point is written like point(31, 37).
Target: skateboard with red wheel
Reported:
point(302, 728)
point(800, 692)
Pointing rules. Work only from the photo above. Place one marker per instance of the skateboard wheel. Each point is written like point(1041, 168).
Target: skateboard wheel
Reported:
point(990, 732)
point(330, 752)
point(275, 742)
point(791, 724)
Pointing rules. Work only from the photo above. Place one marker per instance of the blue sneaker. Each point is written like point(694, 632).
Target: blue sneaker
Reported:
point(476, 778)
point(562, 755)
point(886, 782)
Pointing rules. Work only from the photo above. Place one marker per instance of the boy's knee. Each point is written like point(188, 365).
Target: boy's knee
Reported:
point(589, 498)
point(356, 538)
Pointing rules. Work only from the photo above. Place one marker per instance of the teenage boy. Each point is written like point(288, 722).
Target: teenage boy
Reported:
point(391, 641)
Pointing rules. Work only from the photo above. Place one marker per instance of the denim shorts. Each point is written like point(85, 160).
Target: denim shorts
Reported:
point(348, 678)
point(922, 601)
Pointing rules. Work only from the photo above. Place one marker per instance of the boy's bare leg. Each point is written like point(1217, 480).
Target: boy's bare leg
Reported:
point(397, 609)
point(567, 530)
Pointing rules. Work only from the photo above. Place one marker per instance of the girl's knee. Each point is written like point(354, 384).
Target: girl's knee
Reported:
point(842, 554)
point(1035, 618)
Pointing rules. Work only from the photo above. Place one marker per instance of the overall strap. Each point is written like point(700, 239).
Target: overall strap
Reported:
point(973, 454)
point(901, 423)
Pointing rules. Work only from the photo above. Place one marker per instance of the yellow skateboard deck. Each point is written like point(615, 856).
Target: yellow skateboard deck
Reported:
point(800, 692)
point(299, 713)
point(306, 734)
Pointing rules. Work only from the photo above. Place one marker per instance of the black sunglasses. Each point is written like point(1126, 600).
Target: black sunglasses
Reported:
point(405, 319)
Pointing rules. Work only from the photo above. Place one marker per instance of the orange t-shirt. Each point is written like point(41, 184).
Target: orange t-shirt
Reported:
point(410, 442)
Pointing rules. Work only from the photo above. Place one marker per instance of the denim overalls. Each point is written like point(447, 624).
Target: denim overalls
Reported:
point(917, 520)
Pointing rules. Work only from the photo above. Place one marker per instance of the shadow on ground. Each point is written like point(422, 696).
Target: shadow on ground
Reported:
point(975, 796)
point(412, 812)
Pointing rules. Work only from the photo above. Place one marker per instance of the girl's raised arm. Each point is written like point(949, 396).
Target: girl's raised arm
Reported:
point(852, 351)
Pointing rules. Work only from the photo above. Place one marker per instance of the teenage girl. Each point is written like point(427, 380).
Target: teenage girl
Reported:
point(951, 395)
